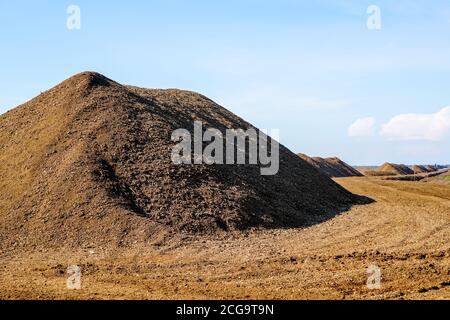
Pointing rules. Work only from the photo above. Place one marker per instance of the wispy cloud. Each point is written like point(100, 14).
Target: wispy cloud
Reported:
point(432, 127)
point(364, 127)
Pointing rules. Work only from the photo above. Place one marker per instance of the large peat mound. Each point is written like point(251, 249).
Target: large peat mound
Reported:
point(89, 163)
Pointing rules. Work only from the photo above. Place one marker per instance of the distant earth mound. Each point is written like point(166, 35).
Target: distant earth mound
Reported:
point(332, 167)
point(395, 168)
point(89, 163)
point(392, 169)
point(431, 168)
point(422, 169)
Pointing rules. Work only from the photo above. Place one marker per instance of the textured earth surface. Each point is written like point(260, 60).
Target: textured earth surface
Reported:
point(405, 233)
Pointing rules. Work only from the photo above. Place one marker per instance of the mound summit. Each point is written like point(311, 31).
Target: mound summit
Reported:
point(88, 162)
point(332, 167)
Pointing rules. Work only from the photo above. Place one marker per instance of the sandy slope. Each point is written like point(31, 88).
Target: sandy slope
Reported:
point(405, 232)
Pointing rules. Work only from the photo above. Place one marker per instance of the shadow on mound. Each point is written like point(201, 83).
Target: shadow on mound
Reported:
point(294, 222)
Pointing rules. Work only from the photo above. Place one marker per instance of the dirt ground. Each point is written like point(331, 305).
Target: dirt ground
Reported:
point(405, 233)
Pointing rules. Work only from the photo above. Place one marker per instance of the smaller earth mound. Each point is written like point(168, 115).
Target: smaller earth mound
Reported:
point(443, 179)
point(332, 167)
point(432, 168)
point(421, 169)
point(395, 169)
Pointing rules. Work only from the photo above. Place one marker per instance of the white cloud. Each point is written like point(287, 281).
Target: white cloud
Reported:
point(364, 127)
point(412, 126)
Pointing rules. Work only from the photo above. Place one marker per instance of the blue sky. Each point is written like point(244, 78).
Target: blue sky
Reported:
point(309, 68)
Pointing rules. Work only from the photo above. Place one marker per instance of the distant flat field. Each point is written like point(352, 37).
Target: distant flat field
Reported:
point(405, 233)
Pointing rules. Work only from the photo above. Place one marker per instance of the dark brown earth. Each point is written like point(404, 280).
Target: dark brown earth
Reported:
point(88, 163)
point(332, 167)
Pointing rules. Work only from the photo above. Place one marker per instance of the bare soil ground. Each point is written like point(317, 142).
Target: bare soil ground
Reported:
point(405, 232)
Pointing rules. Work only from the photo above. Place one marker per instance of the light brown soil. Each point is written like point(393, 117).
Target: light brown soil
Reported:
point(405, 232)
